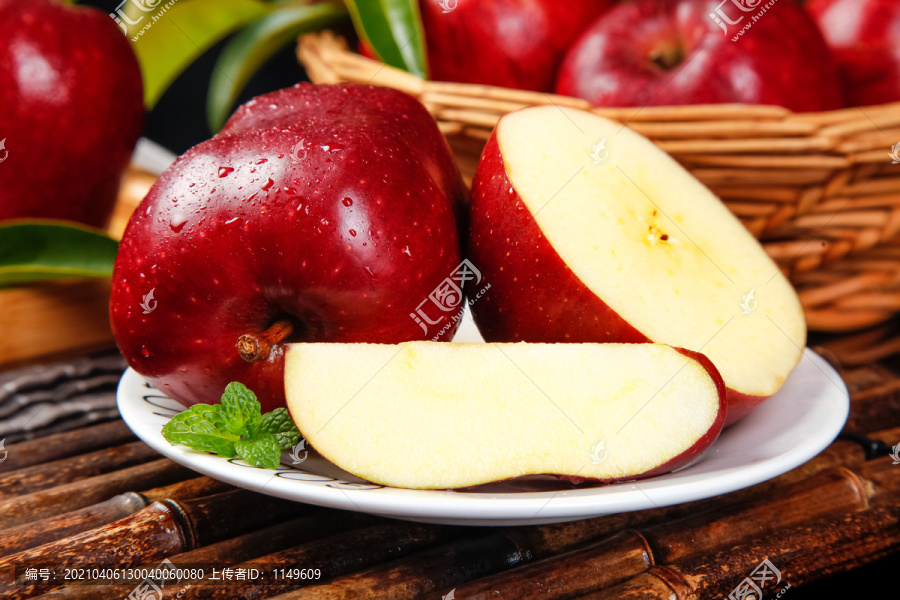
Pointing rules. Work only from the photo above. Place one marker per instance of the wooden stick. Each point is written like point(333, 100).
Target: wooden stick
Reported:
point(63, 445)
point(449, 565)
point(767, 145)
point(626, 554)
point(80, 494)
point(317, 525)
point(161, 530)
point(67, 470)
point(36, 533)
point(723, 129)
point(802, 554)
point(335, 555)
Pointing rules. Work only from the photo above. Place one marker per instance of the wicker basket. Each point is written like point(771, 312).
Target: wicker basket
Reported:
point(818, 189)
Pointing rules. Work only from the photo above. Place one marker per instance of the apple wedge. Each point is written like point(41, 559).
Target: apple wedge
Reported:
point(588, 232)
point(438, 415)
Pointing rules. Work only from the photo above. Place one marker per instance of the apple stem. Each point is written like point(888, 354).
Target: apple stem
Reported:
point(256, 347)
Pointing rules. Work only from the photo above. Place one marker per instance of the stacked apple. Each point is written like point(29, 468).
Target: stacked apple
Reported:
point(328, 215)
point(645, 52)
point(574, 248)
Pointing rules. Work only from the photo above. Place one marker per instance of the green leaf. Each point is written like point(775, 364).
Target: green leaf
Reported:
point(393, 28)
point(203, 428)
point(36, 250)
point(279, 423)
point(261, 450)
point(253, 46)
point(240, 409)
point(182, 33)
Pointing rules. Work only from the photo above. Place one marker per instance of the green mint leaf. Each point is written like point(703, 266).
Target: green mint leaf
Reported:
point(279, 423)
point(261, 450)
point(241, 410)
point(201, 427)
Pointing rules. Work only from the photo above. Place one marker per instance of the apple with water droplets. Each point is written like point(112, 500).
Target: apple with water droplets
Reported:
point(71, 110)
point(319, 213)
point(623, 245)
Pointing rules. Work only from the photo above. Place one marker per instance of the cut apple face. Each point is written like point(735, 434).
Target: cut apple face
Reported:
point(439, 415)
point(589, 232)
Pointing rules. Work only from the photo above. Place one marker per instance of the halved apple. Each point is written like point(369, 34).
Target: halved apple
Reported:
point(588, 232)
point(443, 415)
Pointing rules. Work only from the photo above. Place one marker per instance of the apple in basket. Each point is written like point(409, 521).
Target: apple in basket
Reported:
point(863, 36)
point(588, 232)
point(434, 415)
point(652, 52)
point(507, 43)
point(71, 110)
point(319, 213)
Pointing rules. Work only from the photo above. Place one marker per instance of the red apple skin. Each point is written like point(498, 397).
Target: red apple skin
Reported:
point(864, 37)
point(345, 243)
point(781, 60)
point(72, 110)
point(506, 43)
point(534, 296)
point(698, 448)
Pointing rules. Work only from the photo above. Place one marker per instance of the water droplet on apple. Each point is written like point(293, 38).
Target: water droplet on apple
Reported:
point(224, 171)
point(153, 269)
point(289, 190)
point(347, 202)
point(232, 222)
point(145, 352)
point(353, 232)
point(262, 160)
point(511, 191)
point(324, 222)
point(407, 252)
point(269, 183)
point(369, 271)
point(176, 223)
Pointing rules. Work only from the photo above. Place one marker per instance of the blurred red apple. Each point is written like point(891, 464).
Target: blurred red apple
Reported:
point(319, 213)
point(654, 52)
point(506, 43)
point(71, 110)
point(864, 37)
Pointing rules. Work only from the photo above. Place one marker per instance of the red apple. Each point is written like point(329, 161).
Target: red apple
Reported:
point(864, 37)
point(506, 43)
point(319, 213)
point(72, 110)
point(586, 231)
point(653, 52)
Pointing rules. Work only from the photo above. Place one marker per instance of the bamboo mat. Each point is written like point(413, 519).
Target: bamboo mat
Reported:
point(97, 502)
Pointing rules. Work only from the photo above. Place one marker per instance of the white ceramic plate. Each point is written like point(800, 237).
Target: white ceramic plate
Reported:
point(786, 431)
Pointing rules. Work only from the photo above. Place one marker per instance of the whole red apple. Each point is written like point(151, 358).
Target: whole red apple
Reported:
point(655, 52)
point(864, 37)
point(319, 213)
point(505, 43)
point(72, 110)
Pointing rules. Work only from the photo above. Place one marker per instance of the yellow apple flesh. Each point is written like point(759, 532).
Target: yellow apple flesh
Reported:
point(448, 415)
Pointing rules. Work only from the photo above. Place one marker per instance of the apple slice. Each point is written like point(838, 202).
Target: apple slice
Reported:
point(588, 232)
point(443, 415)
